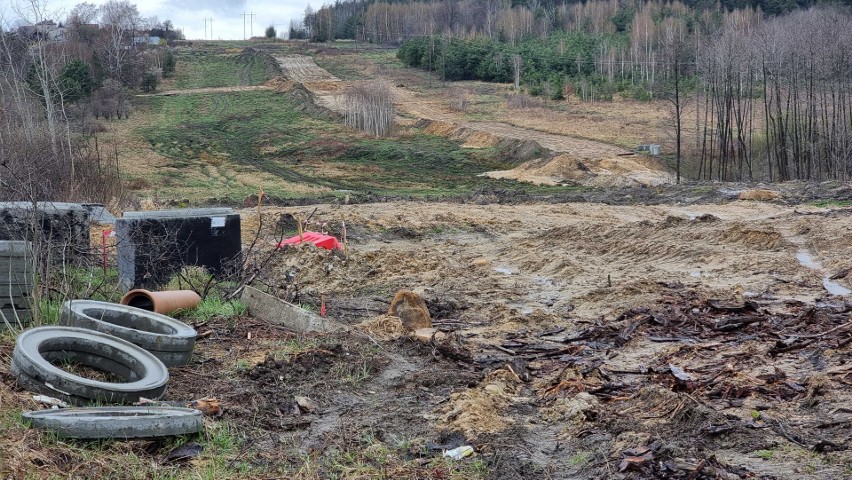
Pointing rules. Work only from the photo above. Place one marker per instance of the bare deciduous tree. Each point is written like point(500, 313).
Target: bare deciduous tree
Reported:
point(369, 107)
point(120, 23)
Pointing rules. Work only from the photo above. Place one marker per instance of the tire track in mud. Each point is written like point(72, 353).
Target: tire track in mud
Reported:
point(195, 91)
point(809, 264)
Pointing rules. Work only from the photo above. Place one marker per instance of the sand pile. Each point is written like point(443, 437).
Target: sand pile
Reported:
point(618, 171)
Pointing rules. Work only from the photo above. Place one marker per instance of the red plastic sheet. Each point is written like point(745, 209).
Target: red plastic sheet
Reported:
point(319, 239)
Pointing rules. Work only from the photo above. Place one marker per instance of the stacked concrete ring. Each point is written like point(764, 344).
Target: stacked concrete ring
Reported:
point(38, 350)
point(117, 422)
point(168, 339)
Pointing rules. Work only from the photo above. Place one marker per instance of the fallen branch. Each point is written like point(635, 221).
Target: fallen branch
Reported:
point(818, 335)
point(733, 323)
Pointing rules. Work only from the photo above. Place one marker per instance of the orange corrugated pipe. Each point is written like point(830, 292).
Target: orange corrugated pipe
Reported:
point(164, 302)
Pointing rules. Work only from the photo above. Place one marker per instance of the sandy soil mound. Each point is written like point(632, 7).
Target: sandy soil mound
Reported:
point(760, 195)
point(279, 83)
point(619, 171)
point(471, 138)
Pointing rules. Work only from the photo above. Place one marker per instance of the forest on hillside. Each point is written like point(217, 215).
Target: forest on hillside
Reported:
point(759, 90)
point(394, 21)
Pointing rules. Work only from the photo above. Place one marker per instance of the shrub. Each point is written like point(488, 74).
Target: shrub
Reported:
point(149, 82)
point(111, 100)
point(169, 63)
point(458, 99)
point(76, 81)
point(521, 100)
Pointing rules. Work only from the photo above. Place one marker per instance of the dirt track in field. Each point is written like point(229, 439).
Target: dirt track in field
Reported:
point(194, 91)
point(567, 159)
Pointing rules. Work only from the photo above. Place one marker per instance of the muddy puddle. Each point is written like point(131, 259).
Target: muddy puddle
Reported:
point(806, 260)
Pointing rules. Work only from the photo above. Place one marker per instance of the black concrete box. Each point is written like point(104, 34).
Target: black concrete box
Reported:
point(154, 245)
point(16, 282)
point(64, 227)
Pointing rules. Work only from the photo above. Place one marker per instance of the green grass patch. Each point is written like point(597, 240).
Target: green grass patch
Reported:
point(215, 307)
point(765, 454)
point(832, 203)
point(353, 373)
point(198, 279)
point(282, 350)
point(199, 70)
point(49, 311)
point(279, 136)
point(233, 127)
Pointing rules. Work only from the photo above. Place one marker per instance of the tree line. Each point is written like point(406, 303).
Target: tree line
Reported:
point(394, 21)
point(774, 98)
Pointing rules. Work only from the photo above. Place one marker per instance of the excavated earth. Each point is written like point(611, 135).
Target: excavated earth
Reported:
point(591, 341)
point(667, 332)
point(576, 340)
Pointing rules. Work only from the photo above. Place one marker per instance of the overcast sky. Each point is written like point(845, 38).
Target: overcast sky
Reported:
point(189, 15)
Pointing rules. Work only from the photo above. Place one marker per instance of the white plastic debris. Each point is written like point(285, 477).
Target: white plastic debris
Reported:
point(53, 402)
point(460, 452)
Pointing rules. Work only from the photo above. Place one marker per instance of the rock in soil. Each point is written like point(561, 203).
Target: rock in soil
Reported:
point(411, 309)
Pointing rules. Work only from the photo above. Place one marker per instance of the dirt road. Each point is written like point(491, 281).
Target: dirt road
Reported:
point(602, 164)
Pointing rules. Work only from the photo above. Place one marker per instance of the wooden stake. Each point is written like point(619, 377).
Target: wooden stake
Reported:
point(345, 245)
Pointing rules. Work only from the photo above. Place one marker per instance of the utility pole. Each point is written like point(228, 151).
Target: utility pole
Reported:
point(211, 27)
point(251, 15)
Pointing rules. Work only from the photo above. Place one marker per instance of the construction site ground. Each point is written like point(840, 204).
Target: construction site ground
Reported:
point(640, 331)
point(580, 334)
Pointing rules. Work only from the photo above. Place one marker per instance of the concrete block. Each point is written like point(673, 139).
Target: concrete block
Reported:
point(271, 309)
point(154, 245)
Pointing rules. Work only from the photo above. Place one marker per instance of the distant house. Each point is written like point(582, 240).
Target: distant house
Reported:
point(146, 40)
point(44, 30)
